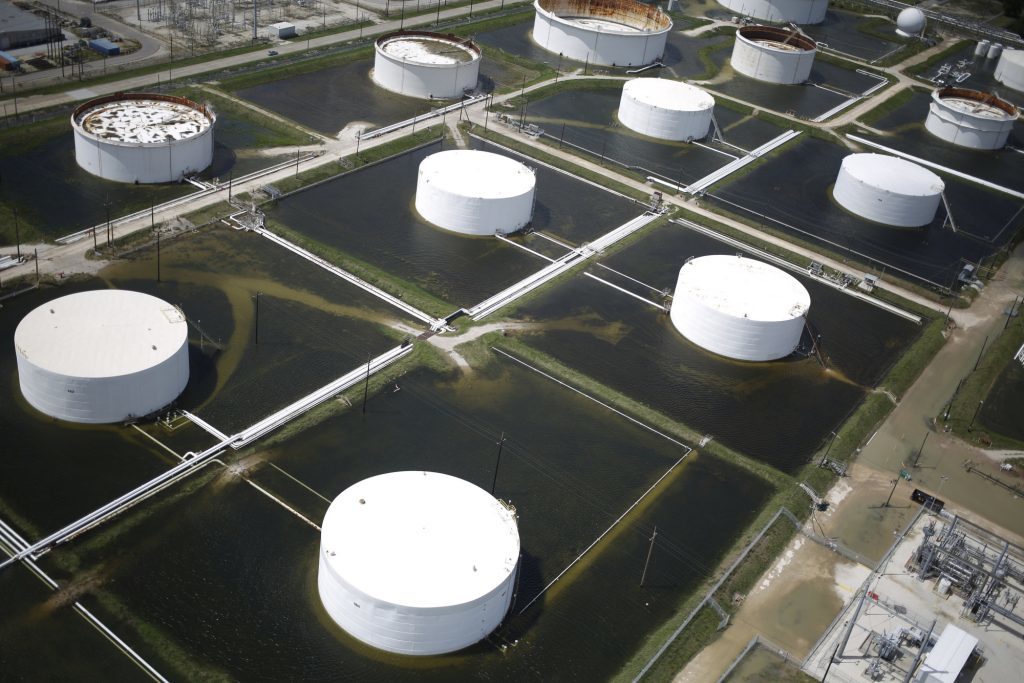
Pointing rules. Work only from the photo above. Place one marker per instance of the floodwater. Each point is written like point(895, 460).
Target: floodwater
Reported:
point(982, 74)
point(590, 120)
point(219, 581)
point(29, 174)
point(1003, 411)
point(793, 190)
point(841, 32)
point(681, 51)
point(763, 665)
point(313, 327)
point(906, 132)
point(329, 99)
point(778, 412)
point(369, 215)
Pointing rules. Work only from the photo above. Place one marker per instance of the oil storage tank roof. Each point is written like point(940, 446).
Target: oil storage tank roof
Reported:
point(101, 333)
point(744, 288)
point(669, 94)
point(420, 539)
point(893, 174)
point(472, 173)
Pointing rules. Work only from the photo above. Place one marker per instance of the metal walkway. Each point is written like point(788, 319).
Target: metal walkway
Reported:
point(558, 266)
point(194, 461)
point(15, 543)
point(436, 324)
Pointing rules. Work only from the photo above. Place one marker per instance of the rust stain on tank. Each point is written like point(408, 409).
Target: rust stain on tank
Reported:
point(627, 12)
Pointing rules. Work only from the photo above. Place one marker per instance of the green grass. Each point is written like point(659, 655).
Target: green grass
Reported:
point(938, 57)
point(697, 635)
point(761, 556)
point(304, 66)
point(997, 356)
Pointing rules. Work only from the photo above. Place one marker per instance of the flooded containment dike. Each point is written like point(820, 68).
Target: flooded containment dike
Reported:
point(418, 563)
point(667, 110)
point(773, 55)
point(102, 356)
point(475, 192)
point(739, 308)
point(780, 11)
point(888, 190)
point(602, 32)
point(970, 118)
point(426, 65)
point(143, 138)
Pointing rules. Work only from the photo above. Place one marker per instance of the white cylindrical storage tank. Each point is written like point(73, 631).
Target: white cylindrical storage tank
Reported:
point(995, 51)
point(774, 55)
point(739, 308)
point(888, 190)
point(1010, 69)
point(418, 563)
point(780, 11)
point(603, 32)
point(426, 65)
point(970, 118)
point(981, 49)
point(102, 356)
point(143, 138)
point(474, 192)
point(664, 109)
point(910, 22)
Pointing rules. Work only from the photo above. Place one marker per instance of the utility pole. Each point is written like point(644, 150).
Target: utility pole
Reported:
point(650, 550)
point(982, 353)
point(894, 483)
point(824, 458)
point(920, 450)
point(35, 257)
point(497, 463)
point(158, 256)
point(366, 383)
point(977, 410)
point(106, 205)
point(17, 234)
point(257, 325)
point(231, 177)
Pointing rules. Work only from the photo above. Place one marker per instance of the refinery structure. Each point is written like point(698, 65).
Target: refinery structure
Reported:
point(435, 326)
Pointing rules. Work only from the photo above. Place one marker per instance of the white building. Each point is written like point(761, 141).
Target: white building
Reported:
point(739, 308)
point(666, 109)
point(143, 138)
point(888, 190)
point(102, 356)
point(418, 563)
point(602, 32)
point(426, 65)
point(774, 55)
point(474, 192)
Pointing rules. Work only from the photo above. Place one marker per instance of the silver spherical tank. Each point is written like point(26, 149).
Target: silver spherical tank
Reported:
point(602, 32)
point(910, 22)
point(1010, 69)
point(426, 65)
point(888, 190)
point(739, 308)
point(780, 11)
point(970, 118)
point(474, 192)
point(418, 563)
point(774, 55)
point(665, 109)
point(102, 356)
point(143, 138)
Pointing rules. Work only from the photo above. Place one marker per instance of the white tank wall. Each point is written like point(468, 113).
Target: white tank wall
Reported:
point(411, 630)
point(780, 11)
point(966, 130)
point(447, 201)
point(100, 400)
point(441, 81)
point(604, 48)
point(144, 163)
point(662, 122)
point(773, 66)
point(731, 336)
point(883, 206)
point(1010, 69)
